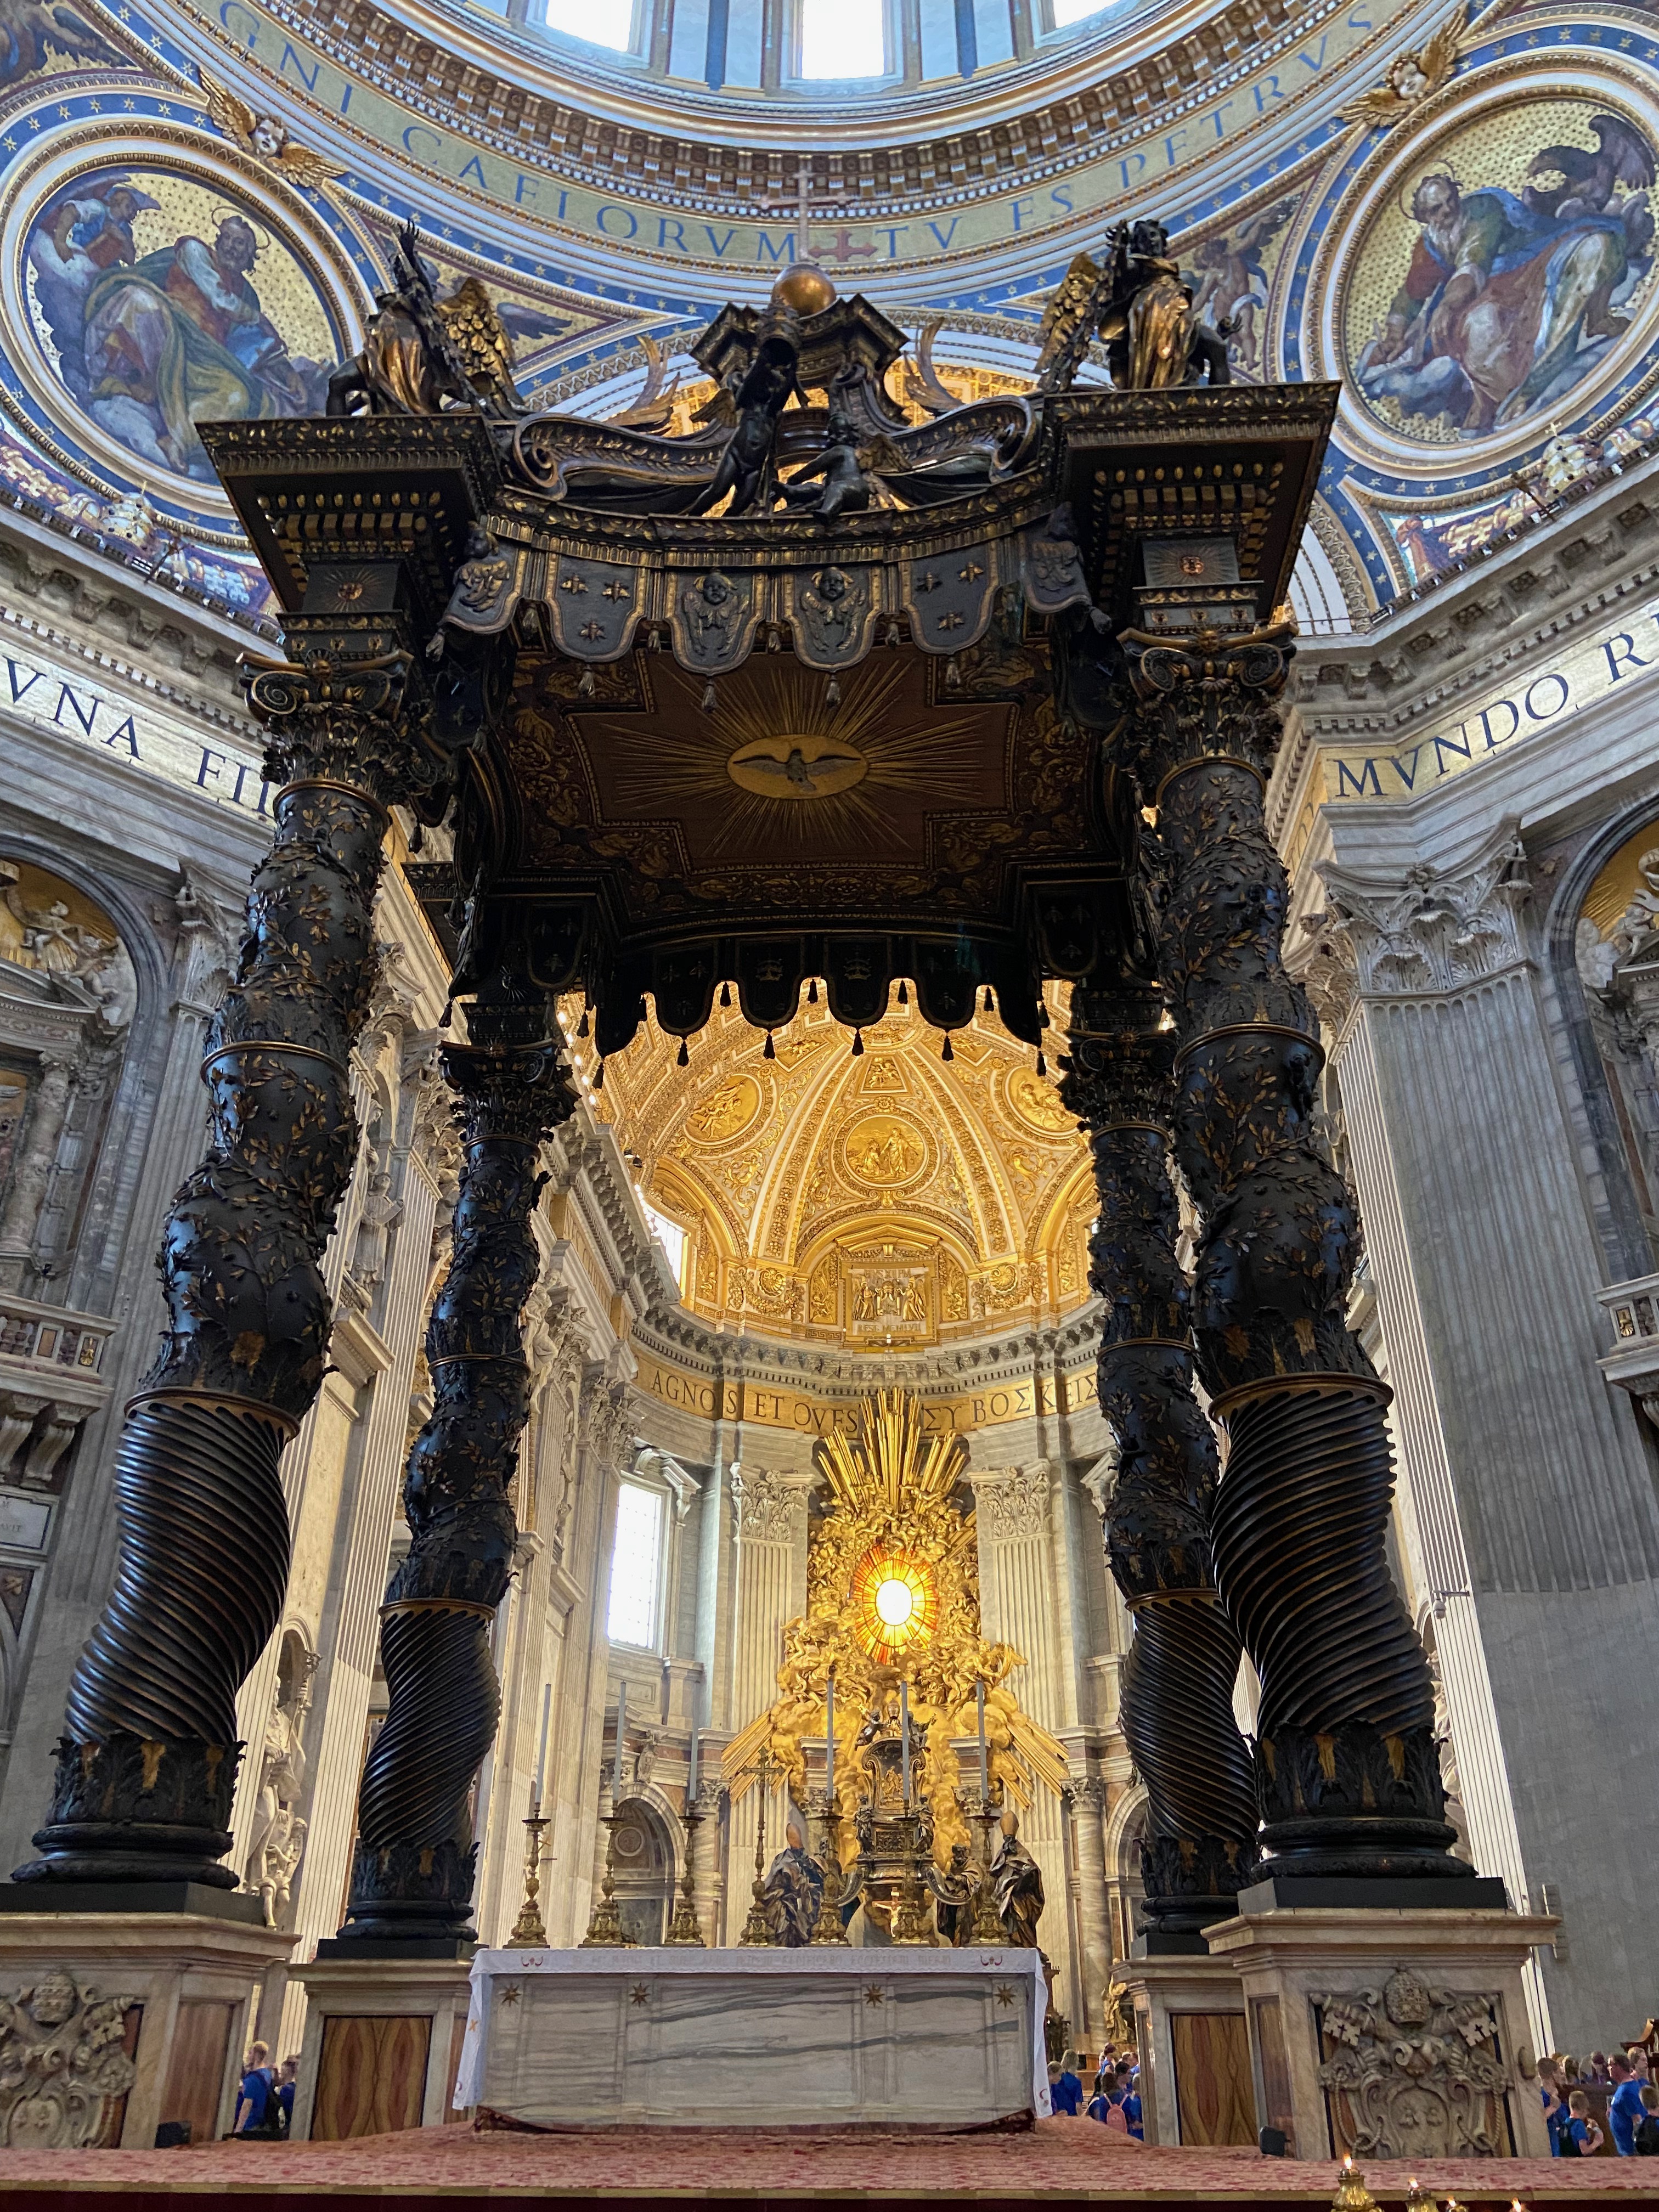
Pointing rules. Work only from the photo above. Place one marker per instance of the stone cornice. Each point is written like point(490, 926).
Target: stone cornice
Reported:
point(869, 178)
point(65, 598)
point(1526, 600)
point(670, 1334)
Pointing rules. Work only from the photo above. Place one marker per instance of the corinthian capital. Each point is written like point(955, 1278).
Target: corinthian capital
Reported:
point(1013, 1504)
point(771, 1508)
point(1209, 693)
point(1432, 930)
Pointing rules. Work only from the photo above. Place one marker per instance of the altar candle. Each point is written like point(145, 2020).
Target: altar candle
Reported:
point(621, 1723)
point(830, 1738)
point(984, 1782)
point(541, 1756)
point(904, 1738)
point(691, 1775)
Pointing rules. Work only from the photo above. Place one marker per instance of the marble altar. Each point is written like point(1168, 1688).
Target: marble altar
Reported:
point(894, 2037)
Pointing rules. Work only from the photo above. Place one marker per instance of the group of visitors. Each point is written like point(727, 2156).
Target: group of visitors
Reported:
point(1633, 2104)
point(264, 2102)
point(1116, 2099)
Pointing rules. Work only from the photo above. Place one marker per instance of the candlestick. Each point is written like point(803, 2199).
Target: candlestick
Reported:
point(691, 1770)
point(830, 1738)
point(979, 1701)
point(827, 1926)
point(604, 1931)
point(987, 1921)
point(683, 1932)
point(757, 1930)
point(904, 1738)
point(541, 1755)
point(530, 1929)
point(621, 1723)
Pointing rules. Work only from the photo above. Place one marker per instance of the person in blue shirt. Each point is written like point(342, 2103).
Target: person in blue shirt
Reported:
point(288, 2075)
point(1580, 2137)
point(1624, 2107)
point(1114, 2103)
point(1064, 2089)
point(1132, 2106)
point(256, 2097)
point(1555, 2103)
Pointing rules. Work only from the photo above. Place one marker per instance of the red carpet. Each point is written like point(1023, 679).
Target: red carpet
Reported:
point(1061, 2162)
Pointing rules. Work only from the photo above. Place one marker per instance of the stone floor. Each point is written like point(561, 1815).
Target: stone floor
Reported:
point(1060, 2162)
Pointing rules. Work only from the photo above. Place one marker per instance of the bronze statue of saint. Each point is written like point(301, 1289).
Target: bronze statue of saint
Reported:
point(1017, 1880)
point(793, 1890)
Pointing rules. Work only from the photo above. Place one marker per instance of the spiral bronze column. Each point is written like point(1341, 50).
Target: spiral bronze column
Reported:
point(1177, 1701)
point(148, 1761)
point(1347, 1774)
point(411, 1884)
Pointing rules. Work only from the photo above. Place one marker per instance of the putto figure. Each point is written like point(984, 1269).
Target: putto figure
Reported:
point(746, 465)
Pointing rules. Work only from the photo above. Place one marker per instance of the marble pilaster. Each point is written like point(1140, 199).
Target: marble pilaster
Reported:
point(1014, 1516)
point(1094, 1920)
point(1487, 1266)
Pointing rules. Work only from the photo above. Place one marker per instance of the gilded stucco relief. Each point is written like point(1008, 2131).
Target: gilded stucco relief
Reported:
point(887, 1197)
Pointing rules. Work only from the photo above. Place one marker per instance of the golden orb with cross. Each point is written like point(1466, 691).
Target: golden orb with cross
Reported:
point(804, 288)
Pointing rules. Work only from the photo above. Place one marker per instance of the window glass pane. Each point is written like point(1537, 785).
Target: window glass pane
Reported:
point(601, 22)
point(1074, 11)
point(670, 1236)
point(635, 1566)
point(843, 38)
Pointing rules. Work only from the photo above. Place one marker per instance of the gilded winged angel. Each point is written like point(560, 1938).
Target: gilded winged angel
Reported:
point(482, 339)
point(1412, 79)
point(262, 138)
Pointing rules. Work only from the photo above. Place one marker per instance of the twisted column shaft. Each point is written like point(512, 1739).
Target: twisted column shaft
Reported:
point(413, 1873)
point(148, 1761)
point(1176, 1703)
point(1346, 1776)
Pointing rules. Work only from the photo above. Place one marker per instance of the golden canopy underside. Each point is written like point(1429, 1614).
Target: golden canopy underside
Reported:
point(893, 1199)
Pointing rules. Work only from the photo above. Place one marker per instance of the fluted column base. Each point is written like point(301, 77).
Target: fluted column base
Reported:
point(136, 1810)
point(406, 1898)
point(1298, 1527)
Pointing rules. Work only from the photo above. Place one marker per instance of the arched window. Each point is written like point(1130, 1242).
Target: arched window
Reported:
point(671, 1237)
point(843, 38)
point(601, 22)
point(636, 1568)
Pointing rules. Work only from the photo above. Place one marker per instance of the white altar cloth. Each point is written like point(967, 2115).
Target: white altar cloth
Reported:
point(739, 2038)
